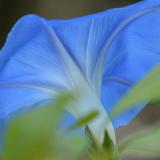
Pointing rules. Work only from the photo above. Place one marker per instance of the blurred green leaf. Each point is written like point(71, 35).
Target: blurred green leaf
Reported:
point(30, 135)
point(144, 141)
point(146, 91)
point(103, 155)
point(71, 147)
point(83, 121)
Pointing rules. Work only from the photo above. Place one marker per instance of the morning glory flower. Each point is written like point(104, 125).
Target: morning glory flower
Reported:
point(101, 55)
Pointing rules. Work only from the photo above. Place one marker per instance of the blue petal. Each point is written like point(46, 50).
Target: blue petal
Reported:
point(26, 66)
point(30, 69)
point(111, 51)
point(118, 39)
point(133, 52)
point(84, 37)
point(37, 66)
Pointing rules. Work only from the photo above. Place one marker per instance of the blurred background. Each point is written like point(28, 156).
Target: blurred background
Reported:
point(12, 10)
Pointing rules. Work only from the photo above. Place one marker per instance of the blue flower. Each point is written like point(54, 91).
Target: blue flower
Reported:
point(102, 55)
